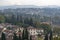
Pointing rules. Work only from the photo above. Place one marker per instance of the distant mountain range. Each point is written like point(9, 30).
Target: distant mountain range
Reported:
point(19, 6)
point(27, 6)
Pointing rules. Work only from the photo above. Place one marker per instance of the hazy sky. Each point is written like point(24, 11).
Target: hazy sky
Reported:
point(30, 2)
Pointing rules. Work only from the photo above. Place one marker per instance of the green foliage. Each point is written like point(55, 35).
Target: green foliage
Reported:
point(28, 21)
point(15, 37)
point(46, 27)
point(25, 34)
point(46, 37)
point(2, 19)
point(39, 38)
point(56, 30)
point(30, 37)
point(3, 36)
point(19, 38)
point(55, 38)
point(51, 35)
point(59, 38)
point(31, 22)
point(36, 24)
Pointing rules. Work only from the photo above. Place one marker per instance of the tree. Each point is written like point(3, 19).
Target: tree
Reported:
point(25, 34)
point(13, 19)
point(21, 19)
point(55, 38)
point(46, 27)
point(2, 19)
point(31, 22)
point(19, 38)
point(46, 37)
point(15, 37)
point(3, 36)
point(26, 21)
point(50, 35)
point(56, 29)
point(30, 37)
point(36, 24)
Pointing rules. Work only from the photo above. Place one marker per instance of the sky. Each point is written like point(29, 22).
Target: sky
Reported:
point(30, 2)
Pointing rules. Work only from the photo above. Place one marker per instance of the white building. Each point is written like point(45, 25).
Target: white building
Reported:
point(35, 31)
point(40, 31)
point(32, 30)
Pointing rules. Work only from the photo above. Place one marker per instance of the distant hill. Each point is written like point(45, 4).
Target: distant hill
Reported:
point(26, 6)
point(18, 6)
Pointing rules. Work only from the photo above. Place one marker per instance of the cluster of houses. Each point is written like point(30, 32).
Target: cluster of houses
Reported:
point(9, 29)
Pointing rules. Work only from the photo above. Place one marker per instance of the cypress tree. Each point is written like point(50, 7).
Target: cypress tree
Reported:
point(23, 35)
point(19, 38)
point(3, 36)
point(26, 34)
point(15, 37)
point(46, 37)
point(50, 35)
point(30, 37)
point(31, 22)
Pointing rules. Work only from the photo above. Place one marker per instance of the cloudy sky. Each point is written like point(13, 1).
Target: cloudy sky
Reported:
point(30, 2)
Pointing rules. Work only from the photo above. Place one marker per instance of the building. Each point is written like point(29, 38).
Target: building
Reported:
point(35, 31)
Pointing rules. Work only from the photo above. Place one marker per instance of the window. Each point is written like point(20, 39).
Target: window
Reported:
point(31, 32)
point(34, 32)
point(31, 29)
